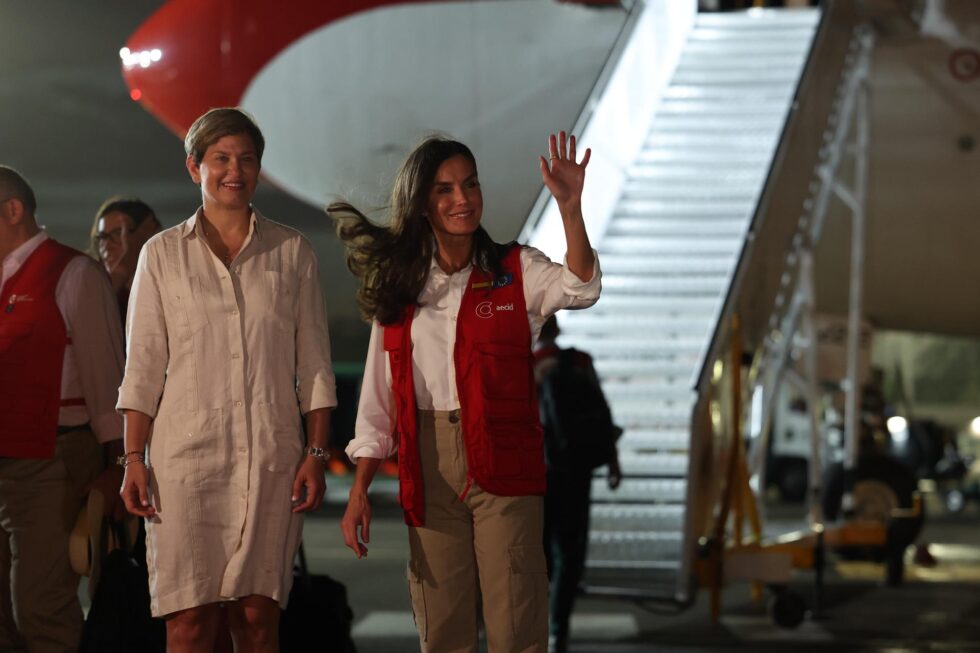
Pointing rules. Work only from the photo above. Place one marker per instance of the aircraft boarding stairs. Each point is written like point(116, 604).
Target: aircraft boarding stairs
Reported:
point(668, 256)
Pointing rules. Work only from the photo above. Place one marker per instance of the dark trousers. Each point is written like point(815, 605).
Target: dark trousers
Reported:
point(566, 537)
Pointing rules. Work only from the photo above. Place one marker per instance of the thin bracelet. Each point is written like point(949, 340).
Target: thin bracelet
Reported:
point(124, 460)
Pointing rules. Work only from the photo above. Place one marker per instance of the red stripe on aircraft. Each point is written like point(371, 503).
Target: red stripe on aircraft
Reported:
point(211, 51)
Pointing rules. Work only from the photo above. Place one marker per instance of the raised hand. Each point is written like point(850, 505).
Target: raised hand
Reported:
point(563, 176)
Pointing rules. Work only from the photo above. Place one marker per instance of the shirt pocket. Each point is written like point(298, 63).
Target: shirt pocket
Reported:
point(279, 300)
point(186, 306)
point(505, 374)
point(278, 446)
point(191, 447)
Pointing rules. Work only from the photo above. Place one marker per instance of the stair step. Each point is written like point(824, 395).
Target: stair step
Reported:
point(722, 59)
point(664, 285)
point(611, 517)
point(673, 171)
point(713, 108)
point(640, 490)
point(663, 306)
point(800, 17)
point(655, 439)
point(727, 227)
point(644, 369)
point(777, 93)
point(785, 36)
point(745, 49)
point(700, 158)
point(736, 143)
point(781, 76)
point(665, 264)
point(738, 122)
point(585, 322)
point(659, 581)
point(647, 390)
point(635, 546)
point(649, 413)
point(692, 207)
point(638, 347)
point(707, 188)
point(671, 245)
point(654, 464)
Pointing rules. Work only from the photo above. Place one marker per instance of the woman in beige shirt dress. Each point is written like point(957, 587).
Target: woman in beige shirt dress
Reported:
point(227, 345)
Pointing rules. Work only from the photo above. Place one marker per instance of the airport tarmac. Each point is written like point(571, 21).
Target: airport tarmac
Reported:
point(937, 609)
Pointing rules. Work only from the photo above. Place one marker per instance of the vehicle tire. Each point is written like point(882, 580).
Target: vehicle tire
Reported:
point(881, 484)
point(786, 608)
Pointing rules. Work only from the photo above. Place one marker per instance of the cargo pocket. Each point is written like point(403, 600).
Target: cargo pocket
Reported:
point(418, 600)
point(528, 594)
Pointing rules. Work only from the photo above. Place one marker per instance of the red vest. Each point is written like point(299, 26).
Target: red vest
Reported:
point(495, 385)
point(32, 352)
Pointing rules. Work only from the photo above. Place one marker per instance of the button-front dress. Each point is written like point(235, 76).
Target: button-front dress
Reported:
point(225, 360)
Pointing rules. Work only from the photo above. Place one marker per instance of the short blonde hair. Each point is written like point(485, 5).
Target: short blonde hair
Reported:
point(215, 125)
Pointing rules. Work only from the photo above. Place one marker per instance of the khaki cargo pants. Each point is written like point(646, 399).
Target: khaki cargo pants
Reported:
point(39, 501)
point(480, 548)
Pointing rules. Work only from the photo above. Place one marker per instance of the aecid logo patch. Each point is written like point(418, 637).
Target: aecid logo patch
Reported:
point(486, 309)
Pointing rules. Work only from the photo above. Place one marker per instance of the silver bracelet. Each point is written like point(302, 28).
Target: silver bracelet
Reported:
point(319, 453)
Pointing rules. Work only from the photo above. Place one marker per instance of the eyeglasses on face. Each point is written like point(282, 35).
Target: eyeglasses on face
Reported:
point(112, 236)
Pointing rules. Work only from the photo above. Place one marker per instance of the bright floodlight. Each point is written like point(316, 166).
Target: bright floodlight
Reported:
point(897, 425)
point(975, 426)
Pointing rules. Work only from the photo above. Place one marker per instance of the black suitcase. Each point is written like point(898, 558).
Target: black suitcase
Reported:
point(317, 612)
point(119, 619)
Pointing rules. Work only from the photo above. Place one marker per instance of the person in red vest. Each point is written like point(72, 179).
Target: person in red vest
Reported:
point(122, 226)
point(449, 384)
point(61, 362)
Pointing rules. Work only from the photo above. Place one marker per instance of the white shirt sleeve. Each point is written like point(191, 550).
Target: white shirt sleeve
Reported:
point(91, 314)
point(146, 338)
point(375, 422)
point(316, 386)
point(550, 287)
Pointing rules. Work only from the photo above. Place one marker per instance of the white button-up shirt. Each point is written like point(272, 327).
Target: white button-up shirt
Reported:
point(548, 287)
point(93, 362)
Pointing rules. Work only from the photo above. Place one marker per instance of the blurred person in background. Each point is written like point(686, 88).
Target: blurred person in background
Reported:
point(121, 227)
point(61, 361)
point(579, 437)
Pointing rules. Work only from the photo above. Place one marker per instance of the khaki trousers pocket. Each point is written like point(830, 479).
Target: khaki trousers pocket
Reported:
point(418, 600)
point(528, 593)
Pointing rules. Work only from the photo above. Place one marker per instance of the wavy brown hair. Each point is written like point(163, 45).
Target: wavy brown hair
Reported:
point(393, 261)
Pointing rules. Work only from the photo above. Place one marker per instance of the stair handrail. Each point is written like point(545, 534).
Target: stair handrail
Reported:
point(786, 315)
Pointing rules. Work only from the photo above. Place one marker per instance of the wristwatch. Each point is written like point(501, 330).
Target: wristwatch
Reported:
point(319, 453)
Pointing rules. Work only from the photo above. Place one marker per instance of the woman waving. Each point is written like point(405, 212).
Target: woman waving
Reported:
point(449, 385)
